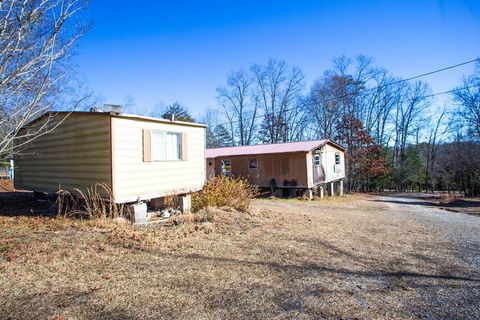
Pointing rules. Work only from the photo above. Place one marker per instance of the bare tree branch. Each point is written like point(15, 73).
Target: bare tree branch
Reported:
point(37, 38)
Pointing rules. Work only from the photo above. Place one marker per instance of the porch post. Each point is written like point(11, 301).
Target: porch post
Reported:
point(331, 190)
point(341, 187)
point(321, 192)
point(310, 194)
point(186, 203)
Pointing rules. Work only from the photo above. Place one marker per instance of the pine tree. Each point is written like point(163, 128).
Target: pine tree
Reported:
point(179, 112)
point(222, 136)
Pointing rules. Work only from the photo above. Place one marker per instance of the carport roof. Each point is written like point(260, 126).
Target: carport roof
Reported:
point(304, 146)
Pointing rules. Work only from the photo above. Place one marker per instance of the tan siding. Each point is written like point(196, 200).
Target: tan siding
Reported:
point(281, 167)
point(328, 162)
point(135, 178)
point(75, 155)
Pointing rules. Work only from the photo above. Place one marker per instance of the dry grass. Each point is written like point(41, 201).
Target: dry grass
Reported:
point(345, 258)
point(97, 202)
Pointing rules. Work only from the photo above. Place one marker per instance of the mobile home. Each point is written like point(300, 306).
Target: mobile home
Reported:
point(294, 165)
point(138, 158)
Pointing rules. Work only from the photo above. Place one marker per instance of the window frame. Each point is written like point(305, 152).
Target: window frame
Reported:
point(180, 145)
point(338, 159)
point(253, 163)
point(315, 156)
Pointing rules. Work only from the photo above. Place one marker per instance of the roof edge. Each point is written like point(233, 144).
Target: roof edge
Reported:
point(117, 115)
point(134, 116)
point(252, 154)
point(257, 149)
point(336, 144)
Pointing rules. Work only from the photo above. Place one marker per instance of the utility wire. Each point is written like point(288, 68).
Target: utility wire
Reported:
point(429, 73)
point(383, 86)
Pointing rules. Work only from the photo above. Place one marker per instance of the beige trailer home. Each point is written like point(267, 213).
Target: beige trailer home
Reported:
point(294, 165)
point(138, 158)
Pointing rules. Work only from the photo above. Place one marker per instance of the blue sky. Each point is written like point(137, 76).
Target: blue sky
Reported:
point(162, 51)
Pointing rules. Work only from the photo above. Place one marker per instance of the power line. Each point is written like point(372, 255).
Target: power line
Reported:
point(382, 86)
point(430, 73)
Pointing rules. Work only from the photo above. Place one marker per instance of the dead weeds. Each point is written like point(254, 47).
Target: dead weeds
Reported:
point(343, 258)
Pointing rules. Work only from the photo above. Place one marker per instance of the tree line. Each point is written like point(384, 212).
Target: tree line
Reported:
point(397, 136)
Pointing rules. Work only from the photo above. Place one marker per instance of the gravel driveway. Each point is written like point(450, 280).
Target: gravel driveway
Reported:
point(461, 230)
point(394, 256)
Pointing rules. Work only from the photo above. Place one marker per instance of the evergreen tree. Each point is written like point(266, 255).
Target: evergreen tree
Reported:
point(179, 112)
point(222, 136)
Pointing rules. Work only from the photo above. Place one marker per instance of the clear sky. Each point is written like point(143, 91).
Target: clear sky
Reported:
point(162, 51)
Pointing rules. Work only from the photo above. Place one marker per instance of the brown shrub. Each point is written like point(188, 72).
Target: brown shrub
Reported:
point(223, 191)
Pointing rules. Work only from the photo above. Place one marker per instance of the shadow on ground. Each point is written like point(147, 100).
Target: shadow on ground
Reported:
point(313, 267)
point(420, 199)
point(22, 203)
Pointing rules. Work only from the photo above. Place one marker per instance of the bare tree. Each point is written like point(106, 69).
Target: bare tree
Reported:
point(435, 139)
point(324, 106)
point(240, 106)
point(37, 39)
point(353, 87)
point(279, 90)
point(358, 75)
point(468, 97)
point(407, 123)
point(409, 113)
point(384, 99)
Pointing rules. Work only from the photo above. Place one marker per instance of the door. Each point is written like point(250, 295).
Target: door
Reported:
point(318, 170)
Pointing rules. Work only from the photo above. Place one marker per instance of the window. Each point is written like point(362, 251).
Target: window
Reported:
point(252, 163)
point(337, 157)
point(166, 146)
point(226, 168)
point(317, 160)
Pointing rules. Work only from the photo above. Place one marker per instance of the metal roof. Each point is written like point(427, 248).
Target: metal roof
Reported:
point(304, 146)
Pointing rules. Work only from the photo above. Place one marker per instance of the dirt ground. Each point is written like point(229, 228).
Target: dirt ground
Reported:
point(358, 257)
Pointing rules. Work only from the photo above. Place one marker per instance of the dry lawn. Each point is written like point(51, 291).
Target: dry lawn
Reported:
point(354, 257)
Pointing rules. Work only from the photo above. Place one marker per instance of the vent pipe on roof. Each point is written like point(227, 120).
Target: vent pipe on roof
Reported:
point(169, 116)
